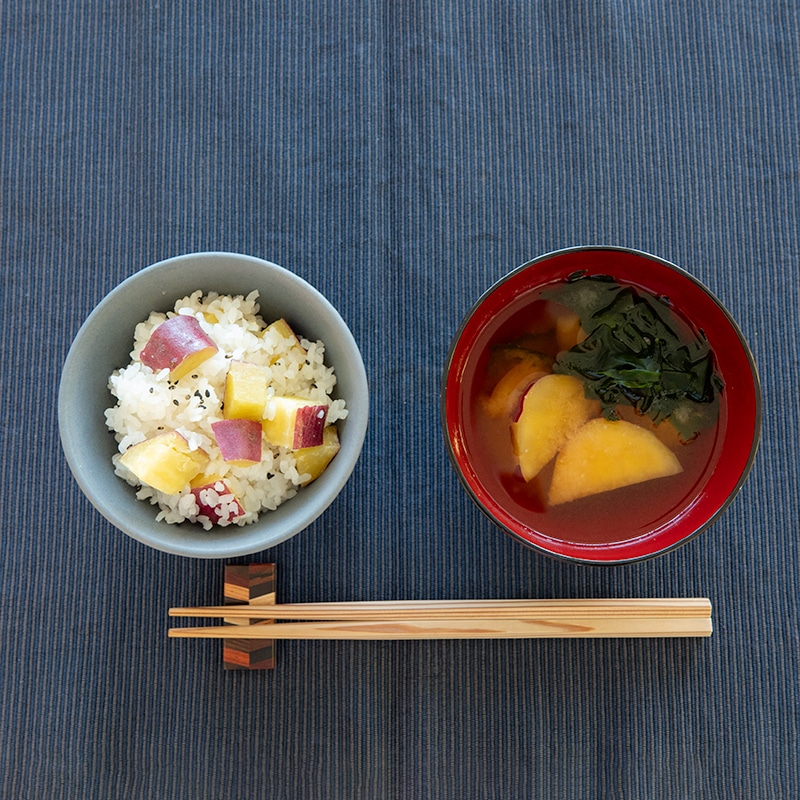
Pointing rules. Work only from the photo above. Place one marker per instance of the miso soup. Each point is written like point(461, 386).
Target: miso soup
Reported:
point(594, 408)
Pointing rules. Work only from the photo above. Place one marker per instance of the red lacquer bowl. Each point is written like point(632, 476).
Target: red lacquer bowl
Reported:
point(625, 534)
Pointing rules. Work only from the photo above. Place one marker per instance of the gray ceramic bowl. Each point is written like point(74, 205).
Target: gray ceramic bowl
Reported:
point(103, 344)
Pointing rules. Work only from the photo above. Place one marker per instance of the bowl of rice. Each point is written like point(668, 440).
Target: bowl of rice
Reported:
point(120, 409)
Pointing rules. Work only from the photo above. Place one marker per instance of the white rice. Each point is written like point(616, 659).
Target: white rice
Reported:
point(149, 404)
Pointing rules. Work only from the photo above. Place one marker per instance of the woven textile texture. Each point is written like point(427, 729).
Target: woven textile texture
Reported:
point(401, 157)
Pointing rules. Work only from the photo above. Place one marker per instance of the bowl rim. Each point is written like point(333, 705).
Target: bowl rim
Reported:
point(588, 560)
point(244, 540)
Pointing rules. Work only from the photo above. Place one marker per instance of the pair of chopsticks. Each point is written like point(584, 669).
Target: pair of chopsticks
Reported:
point(456, 619)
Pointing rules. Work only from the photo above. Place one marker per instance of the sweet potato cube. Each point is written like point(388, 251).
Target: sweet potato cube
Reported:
point(295, 422)
point(239, 441)
point(282, 327)
point(179, 344)
point(604, 455)
point(245, 391)
point(215, 500)
point(165, 462)
point(290, 340)
point(312, 461)
point(552, 410)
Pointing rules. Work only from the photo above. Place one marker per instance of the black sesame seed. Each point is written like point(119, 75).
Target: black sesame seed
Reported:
point(175, 403)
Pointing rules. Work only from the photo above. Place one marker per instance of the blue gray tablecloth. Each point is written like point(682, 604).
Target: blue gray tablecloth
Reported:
point(401, 157)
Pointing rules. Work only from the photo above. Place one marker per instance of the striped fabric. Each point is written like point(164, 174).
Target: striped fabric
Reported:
point(401, 157)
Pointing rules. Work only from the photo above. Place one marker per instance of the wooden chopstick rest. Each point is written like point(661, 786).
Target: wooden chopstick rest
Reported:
point(249, 589)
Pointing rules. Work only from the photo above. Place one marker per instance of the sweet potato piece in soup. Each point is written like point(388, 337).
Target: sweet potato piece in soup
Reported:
point(568, 330)
point(604, 455)
point(552, 410)
point(506, 395)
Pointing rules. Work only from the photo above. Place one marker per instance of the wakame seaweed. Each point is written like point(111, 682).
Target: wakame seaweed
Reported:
point(633, 354)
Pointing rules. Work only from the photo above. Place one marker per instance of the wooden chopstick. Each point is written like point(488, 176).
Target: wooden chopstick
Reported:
point(565, 627)
point(384, 610)
point(459, 619)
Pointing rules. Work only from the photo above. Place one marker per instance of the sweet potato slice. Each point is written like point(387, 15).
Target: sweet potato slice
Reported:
point(506, 395)
point(604, 455)
point(552, 410)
